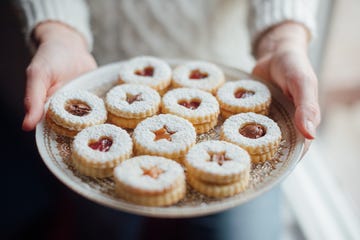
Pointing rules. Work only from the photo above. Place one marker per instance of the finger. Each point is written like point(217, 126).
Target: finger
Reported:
point(307, 119)
point(53, 89)
point(293, 71)
point(261, 69)
point(87, 65)
point(304, 90)
point(35, 96)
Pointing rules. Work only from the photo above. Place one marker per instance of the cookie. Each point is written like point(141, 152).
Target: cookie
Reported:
point(146, 70)
point(71, 111)
point(150, 181)
point(217, 191)
point(217, 168)
point(164, 135)
point(256, 133)
point(217, 162)
point(98, 149)
point(243, 96)
point(199, 107)
point(198, 74)
point(129, 104)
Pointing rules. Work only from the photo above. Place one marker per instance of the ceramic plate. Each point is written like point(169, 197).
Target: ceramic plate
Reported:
point(55, 152)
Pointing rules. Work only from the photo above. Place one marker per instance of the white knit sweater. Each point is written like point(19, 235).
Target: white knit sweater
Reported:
point(204, 29)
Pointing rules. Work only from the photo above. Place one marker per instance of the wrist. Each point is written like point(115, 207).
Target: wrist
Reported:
point(288, 35)
point(51, 31)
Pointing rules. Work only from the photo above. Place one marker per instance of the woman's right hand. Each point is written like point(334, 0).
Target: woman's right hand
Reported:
point(62, 55)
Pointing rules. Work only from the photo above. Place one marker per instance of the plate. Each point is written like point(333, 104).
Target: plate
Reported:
point(55, 152)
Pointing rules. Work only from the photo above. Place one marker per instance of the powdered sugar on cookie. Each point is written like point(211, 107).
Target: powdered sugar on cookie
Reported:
point(198, 74)
point(218, 157)
point(121, 143)
point(254, 94)
point(145, 70)
point(133, 100)
point(231, 130)
point(135, 173)
point(182, 134)
point(191, 104)
point(77, 108)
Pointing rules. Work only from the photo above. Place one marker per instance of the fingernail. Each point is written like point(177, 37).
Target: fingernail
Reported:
point(310, 127)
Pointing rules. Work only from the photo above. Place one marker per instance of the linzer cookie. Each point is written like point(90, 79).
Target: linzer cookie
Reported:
point(71, 111)
point(129, 104)
point(164, 135)
point(150, 181)
point(149, 71)
point(198, 74)
point(243, 96)
point(197, 106)
point(256, 133)
point(98, 149)
point(218, 168)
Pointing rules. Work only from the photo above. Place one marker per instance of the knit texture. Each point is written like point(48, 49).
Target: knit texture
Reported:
point(73, 13)
point(264, 14)
point(212, 30)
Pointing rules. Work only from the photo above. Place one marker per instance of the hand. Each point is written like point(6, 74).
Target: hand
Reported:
point(61, 56)
point(282, 59)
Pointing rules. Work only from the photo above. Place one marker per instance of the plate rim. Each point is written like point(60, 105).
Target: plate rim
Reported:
point(168, 212)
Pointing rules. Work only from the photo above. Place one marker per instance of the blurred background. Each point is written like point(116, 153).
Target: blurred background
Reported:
point(322, 194)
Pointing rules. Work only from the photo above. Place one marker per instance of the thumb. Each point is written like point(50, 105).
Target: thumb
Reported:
point(307, 118)
point(35, 96)
point(303, 87)
point(261, 69)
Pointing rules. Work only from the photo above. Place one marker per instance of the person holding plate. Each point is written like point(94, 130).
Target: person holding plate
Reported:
point(72, 37)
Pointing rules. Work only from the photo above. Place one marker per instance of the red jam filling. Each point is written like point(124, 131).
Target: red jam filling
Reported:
point(252, 130)
point(193, 104)
point(153, 172)
point(242, 93)
point(133, 98)
point(220, 158)
point(145, 72)
point(163, 133)
point(197, 74)
point(77, 108)
point(102, 145)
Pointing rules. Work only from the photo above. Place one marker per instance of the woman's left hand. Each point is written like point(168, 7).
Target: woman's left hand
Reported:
point(282, 59)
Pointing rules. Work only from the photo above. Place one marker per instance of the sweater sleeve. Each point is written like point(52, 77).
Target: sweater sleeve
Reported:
point(73, 13)
point(263, 14)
